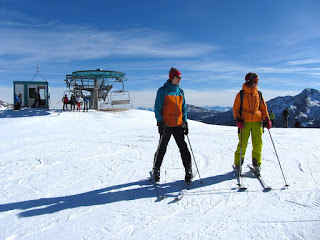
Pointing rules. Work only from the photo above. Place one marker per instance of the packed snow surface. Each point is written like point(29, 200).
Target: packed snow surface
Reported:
point(75, 175)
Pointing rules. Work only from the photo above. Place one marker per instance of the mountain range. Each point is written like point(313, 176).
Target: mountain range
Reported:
point(4, 105)
point(303, 108)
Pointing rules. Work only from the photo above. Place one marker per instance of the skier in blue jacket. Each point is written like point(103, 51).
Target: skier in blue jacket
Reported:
point(171, 114)
point(16, 102)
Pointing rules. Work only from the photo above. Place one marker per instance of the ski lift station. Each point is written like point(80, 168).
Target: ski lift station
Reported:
point(29, 89)
point(105, 87)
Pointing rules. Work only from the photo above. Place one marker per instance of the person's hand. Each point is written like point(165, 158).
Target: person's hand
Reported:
point(240, 123)
point(267, 123)
point(161, 128)
point(185, 128)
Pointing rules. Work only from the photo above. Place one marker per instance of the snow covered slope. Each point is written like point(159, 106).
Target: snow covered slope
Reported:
point(70, 175)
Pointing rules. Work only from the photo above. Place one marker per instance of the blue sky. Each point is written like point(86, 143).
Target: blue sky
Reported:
point(213, 43)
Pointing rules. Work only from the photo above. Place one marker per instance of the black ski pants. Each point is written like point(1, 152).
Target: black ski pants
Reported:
point(178, 134)
point(285, 122)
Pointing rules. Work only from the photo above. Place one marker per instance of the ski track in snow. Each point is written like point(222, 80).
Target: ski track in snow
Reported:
point(75, 175)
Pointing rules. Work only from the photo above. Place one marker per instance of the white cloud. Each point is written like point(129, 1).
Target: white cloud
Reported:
point(69, 42)
point(304, 61)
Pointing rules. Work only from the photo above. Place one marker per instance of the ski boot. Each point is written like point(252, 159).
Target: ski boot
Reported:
point(256, 167)
point(189, 176)
point(156, 174)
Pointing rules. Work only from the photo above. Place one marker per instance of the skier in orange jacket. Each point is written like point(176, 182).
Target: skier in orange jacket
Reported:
point(251, 114)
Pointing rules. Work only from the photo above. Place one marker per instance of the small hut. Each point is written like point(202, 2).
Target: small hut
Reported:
point(34, 93)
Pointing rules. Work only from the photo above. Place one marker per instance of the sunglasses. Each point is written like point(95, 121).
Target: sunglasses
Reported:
point(179, 77)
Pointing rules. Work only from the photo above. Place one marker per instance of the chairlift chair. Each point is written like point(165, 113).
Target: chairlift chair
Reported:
point(120, 98)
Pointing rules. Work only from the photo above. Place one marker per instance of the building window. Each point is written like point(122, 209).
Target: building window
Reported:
point(32, 92)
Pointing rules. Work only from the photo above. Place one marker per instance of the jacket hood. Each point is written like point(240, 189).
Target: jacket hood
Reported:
point(170, 85)
point(250, 90)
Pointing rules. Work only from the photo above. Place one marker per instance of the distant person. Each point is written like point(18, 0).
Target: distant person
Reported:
point(272, 117)
point(16, 102)
point(285, 115)
point(65, 101)
point(20, 100)
point(250, 111)
point(171, 114)
point(79, 102)
point(36, 99)
point(297, 124)
point(73, 102)
point(85, 103)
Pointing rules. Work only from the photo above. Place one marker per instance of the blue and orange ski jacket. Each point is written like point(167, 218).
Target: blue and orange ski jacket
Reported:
point(170, 106)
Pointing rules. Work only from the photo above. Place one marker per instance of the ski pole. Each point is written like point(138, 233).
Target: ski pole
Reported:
point(156, 156)
point(240, 168)
point(194, 160)
point(286, 184)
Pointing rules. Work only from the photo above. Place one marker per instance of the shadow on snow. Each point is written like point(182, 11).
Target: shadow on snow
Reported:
point(138, 190)
point(27, 112)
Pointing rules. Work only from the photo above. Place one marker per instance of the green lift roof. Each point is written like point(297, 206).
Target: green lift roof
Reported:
point(98, 73)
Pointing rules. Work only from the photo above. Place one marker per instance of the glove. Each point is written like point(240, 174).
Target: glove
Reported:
point(240, 123)
point(161, 128)
point(267, 123)
point(185, 128)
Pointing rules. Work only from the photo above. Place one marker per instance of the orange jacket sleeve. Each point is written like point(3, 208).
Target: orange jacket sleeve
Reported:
point(264, 109)
point(236, 107)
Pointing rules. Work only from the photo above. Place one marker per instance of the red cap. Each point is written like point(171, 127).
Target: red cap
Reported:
point(173, 72)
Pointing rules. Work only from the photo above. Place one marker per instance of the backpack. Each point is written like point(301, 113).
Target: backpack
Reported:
point(241, 100)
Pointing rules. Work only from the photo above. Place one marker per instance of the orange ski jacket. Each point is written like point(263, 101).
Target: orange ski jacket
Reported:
point(253, 110)
point(170, 105)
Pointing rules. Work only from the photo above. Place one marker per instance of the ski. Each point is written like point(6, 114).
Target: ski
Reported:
point(183, 192)
point(265, 187)
point(241, 187)
point(157, 187)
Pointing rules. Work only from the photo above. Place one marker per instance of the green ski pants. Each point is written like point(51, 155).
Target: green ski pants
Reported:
point(256, 131)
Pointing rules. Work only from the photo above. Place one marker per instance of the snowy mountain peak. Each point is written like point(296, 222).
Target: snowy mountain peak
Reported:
point(303, 108)
point(4, 105)
point(310, 92)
